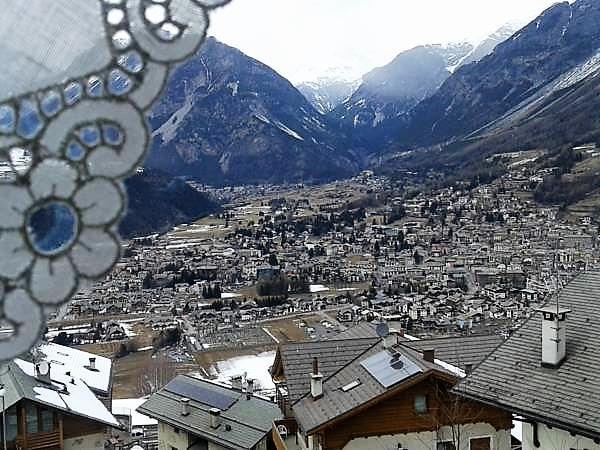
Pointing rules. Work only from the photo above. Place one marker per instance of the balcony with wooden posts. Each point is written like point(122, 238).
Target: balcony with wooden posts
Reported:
point(51, 440)
point(285, 435)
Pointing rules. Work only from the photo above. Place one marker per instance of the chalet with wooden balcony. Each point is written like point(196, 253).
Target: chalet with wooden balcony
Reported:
point(47, 406)
point(368, 392)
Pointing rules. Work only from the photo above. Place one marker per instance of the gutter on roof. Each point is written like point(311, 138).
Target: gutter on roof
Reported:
point(546, 421)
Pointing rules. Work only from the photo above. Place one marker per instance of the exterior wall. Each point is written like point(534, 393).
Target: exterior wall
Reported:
point(262, 445)
point(428, 440)
point(91, 441)
point(167, 438)
point(396, 415)
point(554, 438)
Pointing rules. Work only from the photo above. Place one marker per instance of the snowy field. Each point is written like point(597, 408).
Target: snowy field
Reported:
point(255, 367)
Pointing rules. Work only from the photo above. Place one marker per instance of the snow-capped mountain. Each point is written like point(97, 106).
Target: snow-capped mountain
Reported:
point(488, 45)
point(327, 93)
point(228, 118)
point(561, 44)
point(388, 92)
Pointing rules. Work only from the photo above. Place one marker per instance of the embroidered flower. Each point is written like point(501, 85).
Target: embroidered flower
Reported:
point(58, 229)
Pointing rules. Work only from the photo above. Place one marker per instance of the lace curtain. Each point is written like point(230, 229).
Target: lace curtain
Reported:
point(77, 78)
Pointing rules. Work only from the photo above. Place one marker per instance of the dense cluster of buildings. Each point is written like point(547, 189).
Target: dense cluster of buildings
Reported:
point(367, 387)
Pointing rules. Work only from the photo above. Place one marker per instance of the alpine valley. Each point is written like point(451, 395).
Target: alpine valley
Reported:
point(228, 119)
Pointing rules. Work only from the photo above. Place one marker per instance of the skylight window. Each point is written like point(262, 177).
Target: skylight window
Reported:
point(351, 385)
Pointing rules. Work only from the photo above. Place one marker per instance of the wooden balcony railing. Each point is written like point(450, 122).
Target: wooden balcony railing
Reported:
point(39, 440)
point(284, 432)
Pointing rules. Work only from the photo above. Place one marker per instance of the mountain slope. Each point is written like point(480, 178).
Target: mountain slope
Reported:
point(488, 45)
point(388, 92)
point(326, 94)
point(157, 202)
point(227, 118)
point(562, 38)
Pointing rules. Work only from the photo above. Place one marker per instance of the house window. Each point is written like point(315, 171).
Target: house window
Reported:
point(32, 418)
point(12, 428)
point(420, 404)
point(446, 445)
point(47, 420)
point(482, 443)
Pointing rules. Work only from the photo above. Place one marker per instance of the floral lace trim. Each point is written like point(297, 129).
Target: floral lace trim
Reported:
point(59, 214)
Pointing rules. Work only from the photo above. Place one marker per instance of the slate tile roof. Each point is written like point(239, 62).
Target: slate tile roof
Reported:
point(567, 397)
point(64, 392)
point(459, 351)
point(249, 420)
point(332, 355)
point(311, 414)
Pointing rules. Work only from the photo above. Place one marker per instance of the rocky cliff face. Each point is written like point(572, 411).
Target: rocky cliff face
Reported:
point(227, 118)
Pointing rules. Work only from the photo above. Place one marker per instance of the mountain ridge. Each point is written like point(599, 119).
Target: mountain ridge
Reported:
point(228, 118)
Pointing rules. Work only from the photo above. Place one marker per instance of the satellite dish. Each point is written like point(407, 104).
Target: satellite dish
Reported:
point(382, 330)
point(44, 368)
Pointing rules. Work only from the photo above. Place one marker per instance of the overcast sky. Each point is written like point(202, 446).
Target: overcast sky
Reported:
point(305, 39)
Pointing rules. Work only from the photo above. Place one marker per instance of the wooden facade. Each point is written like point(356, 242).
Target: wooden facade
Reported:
point(32, 426)
point(398, 414)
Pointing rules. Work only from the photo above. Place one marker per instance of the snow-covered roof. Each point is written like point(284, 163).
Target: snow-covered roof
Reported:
point(128, 407)
point(64, 392)
point(65, 359)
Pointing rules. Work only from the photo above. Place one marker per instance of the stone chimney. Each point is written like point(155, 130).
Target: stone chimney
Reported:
point(236, 383)
point(215, 417)
point(316, 381)
point(554, 335)
point(429, 355)
point(185, 406)
point(249, 388)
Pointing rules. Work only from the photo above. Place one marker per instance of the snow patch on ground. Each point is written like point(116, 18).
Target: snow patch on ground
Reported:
point(288, 131)
point(314, 288)
point(128, 407)
point(379, 117)
point(235, 87)
point(255, 367)
point(168, 130)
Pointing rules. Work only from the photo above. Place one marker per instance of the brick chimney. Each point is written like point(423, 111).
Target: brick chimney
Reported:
point(554, 335)
point(316, 381)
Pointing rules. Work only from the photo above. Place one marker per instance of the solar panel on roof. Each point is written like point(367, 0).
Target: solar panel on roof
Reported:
point(389, 369)
point(200, 394)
